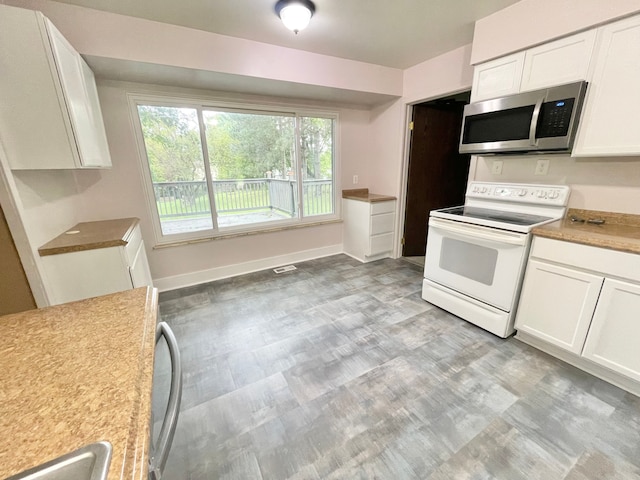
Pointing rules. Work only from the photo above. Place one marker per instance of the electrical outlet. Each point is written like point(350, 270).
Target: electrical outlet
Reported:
point(496, 167)
point(355, 179)
point(542, 167)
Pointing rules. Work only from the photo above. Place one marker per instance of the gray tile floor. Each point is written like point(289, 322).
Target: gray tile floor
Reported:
point(339, 370)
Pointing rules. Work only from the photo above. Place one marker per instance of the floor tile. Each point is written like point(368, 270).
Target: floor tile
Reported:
point(339, 370)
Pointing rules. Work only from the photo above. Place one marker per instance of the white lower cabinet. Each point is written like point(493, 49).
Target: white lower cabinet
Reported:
point(582, 304)
point(368, 228)
point(90, 273)
point(557, 304)
point(615, 329)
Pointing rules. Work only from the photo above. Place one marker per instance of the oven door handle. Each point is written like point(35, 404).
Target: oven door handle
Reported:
point(478, 232)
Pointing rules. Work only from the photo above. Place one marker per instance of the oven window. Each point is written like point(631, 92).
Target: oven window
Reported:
point(472, 261)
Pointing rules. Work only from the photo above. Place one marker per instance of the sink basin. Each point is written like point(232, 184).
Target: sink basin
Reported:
point(87, 463)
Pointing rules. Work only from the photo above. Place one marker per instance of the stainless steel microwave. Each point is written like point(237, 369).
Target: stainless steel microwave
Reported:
point(539, 121)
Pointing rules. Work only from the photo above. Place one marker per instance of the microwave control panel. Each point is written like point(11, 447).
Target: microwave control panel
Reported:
point(555, 118)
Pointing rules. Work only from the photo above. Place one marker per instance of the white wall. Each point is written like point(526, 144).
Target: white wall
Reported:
point(440, 76)
point(103, 34)
point(531, 22)
point(119, 192)
point(56, 201)
point(607, 184)
point(39, 206)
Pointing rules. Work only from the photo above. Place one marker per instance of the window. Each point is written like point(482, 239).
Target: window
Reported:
point(218, 169)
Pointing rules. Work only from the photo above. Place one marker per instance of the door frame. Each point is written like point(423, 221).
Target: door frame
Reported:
point(13, 211)
point(404, 177)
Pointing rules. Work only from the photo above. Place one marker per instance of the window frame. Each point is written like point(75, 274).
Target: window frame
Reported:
point(201, 104)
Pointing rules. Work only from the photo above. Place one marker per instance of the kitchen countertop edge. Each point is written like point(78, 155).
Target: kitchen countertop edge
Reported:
point(59, 246)
point(619, 232)
point(136, 461)
point(363, 195)
point(94, 381)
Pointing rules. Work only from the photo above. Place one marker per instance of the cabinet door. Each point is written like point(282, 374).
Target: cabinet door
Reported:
point(609, 124)
point(78, 84)
point(94, 149)
point(613, 337)
point(555, 63)
point(557, 304)
point(139, 269)
point(34, 108)
point(498, 77)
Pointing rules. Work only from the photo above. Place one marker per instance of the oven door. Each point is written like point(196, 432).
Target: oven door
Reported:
point(481, 262)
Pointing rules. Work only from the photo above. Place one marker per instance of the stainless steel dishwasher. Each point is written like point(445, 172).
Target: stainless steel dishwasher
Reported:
point(166, 398)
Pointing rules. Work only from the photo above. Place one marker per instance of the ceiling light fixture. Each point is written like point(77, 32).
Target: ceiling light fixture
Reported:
point(295, 14)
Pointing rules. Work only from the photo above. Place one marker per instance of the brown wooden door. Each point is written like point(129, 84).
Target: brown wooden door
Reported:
point(437, 172)
point(15, 293)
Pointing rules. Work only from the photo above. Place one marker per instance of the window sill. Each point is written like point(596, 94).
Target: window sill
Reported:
point(222, 236)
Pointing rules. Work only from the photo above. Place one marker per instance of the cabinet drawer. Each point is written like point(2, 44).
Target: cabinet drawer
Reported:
point(382, 207)
point(380, 244)
point(585, 257)
point(382, 223)
point(131, 248)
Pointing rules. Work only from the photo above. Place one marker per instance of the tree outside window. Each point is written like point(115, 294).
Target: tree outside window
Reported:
point(252, 169)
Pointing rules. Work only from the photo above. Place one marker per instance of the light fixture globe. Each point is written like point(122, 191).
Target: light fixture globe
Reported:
point(295, 14)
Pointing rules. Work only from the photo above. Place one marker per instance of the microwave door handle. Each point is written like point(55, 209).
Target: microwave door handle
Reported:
point(534, 121)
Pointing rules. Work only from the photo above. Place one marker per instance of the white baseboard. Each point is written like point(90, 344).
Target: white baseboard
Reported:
point(218, 273)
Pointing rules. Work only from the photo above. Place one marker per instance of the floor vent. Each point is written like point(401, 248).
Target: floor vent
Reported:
point(286, 268)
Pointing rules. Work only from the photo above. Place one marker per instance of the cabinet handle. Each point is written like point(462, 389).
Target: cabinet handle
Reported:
point(159, 456)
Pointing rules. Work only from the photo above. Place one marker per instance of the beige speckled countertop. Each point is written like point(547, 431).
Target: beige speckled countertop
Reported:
point(75, 374)
point(363, 195)
point(619, 232)
point(90, 236)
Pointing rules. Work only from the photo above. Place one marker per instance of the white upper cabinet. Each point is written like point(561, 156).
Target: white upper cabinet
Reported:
point(610, 122)
point(555, 63)
point(497, 78)
point(50, 115)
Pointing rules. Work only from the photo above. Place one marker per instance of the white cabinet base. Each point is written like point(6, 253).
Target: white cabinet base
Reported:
point(90, 273)
point(582, 363)
point(368, 229)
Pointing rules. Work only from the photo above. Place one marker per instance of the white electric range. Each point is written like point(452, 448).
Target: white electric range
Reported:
point(477, 253)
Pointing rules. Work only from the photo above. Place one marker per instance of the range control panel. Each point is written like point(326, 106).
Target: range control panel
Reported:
point(520, 193)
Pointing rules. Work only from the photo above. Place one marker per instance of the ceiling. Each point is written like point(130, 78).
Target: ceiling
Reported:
point(398, 33)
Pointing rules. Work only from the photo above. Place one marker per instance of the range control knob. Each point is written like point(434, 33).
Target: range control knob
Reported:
point(554, 194)
point(522, 193)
